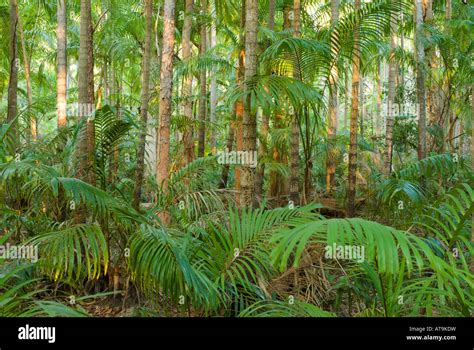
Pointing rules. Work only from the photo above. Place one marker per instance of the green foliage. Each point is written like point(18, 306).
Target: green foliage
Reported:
point(73, 252)
point(284, 309)
point(109, 131)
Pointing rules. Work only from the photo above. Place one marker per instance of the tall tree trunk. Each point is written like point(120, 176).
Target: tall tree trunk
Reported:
point(392, 72)
point(239, 105)
point(262, 150)
point(203, 85)
point(144, 97)
point(213, 87)
point(166, 88)
point(333, 105)
point(351, 192)
point(33, 132)
point(435, 95)
point(295, 135)
point(250, 120)
point(13, 77)
point(61, 38)
point(279, 185)
point(420, 81)
point(85, 81)
point(188, 85)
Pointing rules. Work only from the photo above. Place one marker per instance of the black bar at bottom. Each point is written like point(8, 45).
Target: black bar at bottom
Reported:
point(90, 333)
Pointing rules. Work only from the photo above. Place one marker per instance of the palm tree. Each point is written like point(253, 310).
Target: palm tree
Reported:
point(13, 66)
point(250, 120)
point(392, 72)
point(295, 128)
point(166, 87)
point(351, 192)
point(203, 85)
point(144, 98)
point(61, 37)
point(259, 176)
point(188, 85)
point(420, 80)
point(239, 104)
point(333, 107)
point(213, 83)
point(85, 82)
point(33, 132)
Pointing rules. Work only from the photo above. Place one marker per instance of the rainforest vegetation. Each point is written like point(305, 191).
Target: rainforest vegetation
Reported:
point(244, 158)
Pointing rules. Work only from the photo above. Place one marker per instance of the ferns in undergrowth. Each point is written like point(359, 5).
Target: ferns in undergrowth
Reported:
point(274, 308)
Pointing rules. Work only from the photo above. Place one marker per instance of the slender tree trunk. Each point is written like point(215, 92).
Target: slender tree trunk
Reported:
point(435, 96)
point(213, 87)
point(225, 168)
point(472, 152)
point(347, 100)
point(85, 81)
point(13, 77)
point(166, 88)
point(361, 108)
point(420, 81)
point(250, 120)
point(351, 193)
point(239, 106)
point(188, 85)
point(392, 72)
point(295, 135)
point(144, 97)
point(279, 185)
point(86, 94)
point(378, 115)
point(262, 150)
point(33, 132)
point(203, 93)
point(61, 38)
point(333, 106)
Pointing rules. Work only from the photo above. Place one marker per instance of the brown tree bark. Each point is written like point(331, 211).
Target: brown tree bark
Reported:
point(203, 89)
point(166, 87)
point(351, 192)
point(85, 81)
point(188, 85)
point(392, 73)
point(250, 120)
point(239, 106)
point(420, 80)
point(295, 135)
point(333, 107)
point(213, 84)
point(61, 38)
point(144, 98)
